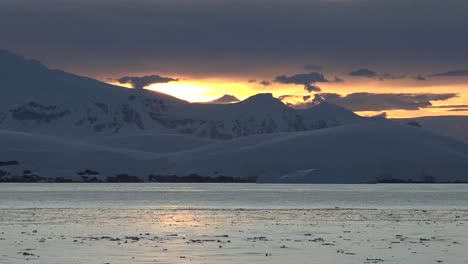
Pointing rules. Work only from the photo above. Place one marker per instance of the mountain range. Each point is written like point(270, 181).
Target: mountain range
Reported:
point(57, 124)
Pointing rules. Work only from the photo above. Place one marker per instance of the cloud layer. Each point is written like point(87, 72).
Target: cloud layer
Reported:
point(309, 80)
point(265, 83)
point(363, 73)
point(453, 73)
point(142, 82)
point(383, 101)
point(108, 36)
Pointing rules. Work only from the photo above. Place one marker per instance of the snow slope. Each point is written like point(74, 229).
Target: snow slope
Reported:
point(346, 154)
point(157, 143)
point(52, 157)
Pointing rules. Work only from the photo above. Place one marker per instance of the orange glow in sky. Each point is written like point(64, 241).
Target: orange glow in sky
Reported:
point(205, 90)
point(202, 91)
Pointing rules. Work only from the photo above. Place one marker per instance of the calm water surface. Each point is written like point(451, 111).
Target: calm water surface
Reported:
point(232, 196)
point(233, 223)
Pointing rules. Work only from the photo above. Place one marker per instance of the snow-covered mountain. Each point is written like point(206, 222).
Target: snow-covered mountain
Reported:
point(56, 124)
point(361, 153)
point(36, 99)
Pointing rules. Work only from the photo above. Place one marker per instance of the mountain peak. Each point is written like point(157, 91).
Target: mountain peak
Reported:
point(260, 95)
point(263, 100)
point(333, 112)
point(225, 99)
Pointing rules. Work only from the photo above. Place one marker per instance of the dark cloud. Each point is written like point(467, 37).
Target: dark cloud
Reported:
point(252, 81)
point(313, 67)
point(265, 83)
point(312, 88)
point(420, 77)
point(294, 97)
point(380, 102)
point(225, 99)
point(306, 79)
point(143, 35)
point(363, 73)
point(142, 82)
point(455, 73)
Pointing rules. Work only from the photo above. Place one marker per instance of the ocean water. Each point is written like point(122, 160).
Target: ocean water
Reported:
point(233, 223)
point(232, 196)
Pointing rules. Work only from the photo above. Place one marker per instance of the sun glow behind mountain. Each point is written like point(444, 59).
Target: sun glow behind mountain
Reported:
point(201, 91)
point(185, 91)
point(206, 90)
point(189, 91)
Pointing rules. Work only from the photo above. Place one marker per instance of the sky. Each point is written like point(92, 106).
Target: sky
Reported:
point(399, 57)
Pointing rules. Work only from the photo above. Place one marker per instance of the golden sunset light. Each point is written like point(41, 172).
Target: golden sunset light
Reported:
point(207, 90)
point(201, 91)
